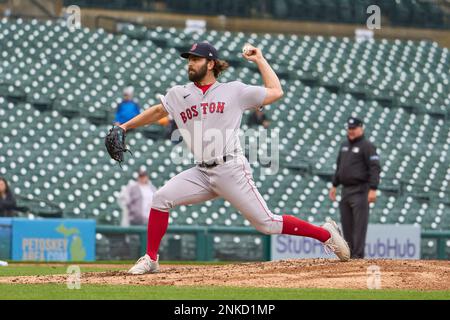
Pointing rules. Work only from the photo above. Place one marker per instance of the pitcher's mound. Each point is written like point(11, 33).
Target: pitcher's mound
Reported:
point(308, 273)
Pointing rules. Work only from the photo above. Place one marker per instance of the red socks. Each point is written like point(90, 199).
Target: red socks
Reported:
point(158, 222)
point(295, 226)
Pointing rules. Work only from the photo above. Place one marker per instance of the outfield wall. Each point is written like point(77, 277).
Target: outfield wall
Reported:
point(81, 240)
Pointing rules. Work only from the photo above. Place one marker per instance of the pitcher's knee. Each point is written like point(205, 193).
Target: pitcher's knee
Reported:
point(161, 201)
point(268, 227)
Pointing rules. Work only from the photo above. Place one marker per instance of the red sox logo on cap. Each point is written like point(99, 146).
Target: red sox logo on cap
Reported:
point(202, 49)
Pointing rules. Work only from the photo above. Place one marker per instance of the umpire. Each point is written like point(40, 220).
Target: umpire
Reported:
point(358, 171)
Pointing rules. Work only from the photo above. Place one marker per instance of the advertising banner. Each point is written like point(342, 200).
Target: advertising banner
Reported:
point(53, 240)
point(382, 242)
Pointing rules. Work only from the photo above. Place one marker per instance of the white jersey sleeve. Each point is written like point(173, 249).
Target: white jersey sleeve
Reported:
point(169, 101)
point(250, 96)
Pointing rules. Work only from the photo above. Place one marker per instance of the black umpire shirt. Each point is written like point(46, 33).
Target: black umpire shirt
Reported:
point(357, 164)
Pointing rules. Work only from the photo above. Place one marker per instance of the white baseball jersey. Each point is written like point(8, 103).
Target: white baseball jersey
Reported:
point(209, 122)
point(216, 115)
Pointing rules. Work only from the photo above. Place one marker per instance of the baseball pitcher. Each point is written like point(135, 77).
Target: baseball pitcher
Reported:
point(208, 114)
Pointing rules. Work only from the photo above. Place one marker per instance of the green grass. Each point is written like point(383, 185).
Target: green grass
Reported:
point(60, 291)
point(121, 292)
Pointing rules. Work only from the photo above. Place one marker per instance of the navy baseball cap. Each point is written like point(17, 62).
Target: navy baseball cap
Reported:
point(202, 49)
point(353, 122)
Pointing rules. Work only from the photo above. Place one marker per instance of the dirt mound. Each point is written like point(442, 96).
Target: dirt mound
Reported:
point(310, 273)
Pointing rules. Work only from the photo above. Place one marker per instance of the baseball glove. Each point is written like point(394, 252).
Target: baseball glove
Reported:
point(115, 143)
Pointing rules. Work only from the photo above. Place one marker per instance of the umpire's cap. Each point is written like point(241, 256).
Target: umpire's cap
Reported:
point(353, 122)
point(202, 49)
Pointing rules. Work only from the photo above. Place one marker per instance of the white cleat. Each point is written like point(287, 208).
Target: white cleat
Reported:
point(145, 265)
point(336, 243)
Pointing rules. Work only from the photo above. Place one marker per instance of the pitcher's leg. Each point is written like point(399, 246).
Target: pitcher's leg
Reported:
point(158, 221)
point(233, 181)
point(236, 185)
point(188, 187)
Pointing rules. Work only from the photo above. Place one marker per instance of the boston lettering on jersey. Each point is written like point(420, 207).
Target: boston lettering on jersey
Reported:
point(204, 108)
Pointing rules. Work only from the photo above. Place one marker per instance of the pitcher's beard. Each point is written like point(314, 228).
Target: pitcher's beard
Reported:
point(197, 76)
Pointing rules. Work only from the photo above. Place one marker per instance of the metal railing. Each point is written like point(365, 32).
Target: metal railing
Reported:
point(203, 237)
point(441, 237)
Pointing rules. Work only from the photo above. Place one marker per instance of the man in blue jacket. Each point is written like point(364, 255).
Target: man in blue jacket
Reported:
point(127, 109)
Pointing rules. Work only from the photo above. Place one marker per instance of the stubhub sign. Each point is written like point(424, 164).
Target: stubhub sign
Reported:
point(382, 242)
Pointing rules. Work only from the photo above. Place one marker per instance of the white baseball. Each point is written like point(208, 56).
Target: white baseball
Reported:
point(246, 49)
